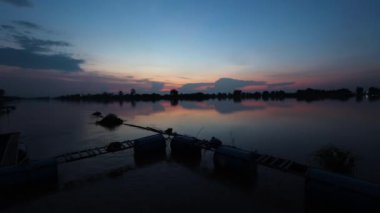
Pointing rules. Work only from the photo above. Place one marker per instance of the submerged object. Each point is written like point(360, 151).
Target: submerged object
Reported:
point(185, 145)
point(110, 121)
point(185, 150)
point(149, 150)
point(331, 191)
point(9, 149)
point(97, 114)
point(232, 159)
point(215, 142)
point(114, 147)
point(150, 144)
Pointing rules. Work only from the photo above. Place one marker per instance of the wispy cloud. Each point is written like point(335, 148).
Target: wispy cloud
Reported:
point(29, 52)
point(7, 27)
point(38, 45)
point(18, 3)
point(280, 85)
point(38, 82)
point(28, 24)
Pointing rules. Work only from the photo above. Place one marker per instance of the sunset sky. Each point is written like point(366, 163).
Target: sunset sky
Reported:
point(55, 47)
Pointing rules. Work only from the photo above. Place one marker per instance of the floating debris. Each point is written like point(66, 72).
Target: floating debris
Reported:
point(110, 121)
point(97, 114)
point(114, 147)
point(335, 159)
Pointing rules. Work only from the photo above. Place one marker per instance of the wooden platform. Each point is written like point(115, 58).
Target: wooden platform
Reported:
point(88, 153)
point(9, 149)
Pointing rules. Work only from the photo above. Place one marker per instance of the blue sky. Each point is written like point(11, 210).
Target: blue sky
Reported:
point(332, 43)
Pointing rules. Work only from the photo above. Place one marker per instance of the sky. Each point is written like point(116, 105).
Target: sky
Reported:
point(54, 47)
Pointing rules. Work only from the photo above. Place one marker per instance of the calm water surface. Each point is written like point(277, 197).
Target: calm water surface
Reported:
point(288, 129)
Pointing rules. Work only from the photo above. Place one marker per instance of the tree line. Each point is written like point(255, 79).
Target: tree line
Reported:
point(174, 96)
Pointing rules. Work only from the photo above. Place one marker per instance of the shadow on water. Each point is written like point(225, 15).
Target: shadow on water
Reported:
point(195, 163)
point(15, 195)
point(189, 161)
point(244, 182)
point(142, 160)
point(113, 173)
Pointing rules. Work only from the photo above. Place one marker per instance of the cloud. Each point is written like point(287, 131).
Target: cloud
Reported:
point(28, 24)
point(19, 3)
point(34, 82)
point(229, 84)
point(25, 58)
point(195, 87)
point(34, 53)
point(38, 45)
point(7, 27)
point(221, 85)
point(280, 85)
point(32, 44)
point(18, 26)
point(157, 86)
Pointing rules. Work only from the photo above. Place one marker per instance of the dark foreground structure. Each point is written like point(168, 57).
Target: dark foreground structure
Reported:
point(324, 191)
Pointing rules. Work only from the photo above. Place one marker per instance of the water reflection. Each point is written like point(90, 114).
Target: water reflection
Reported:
point(287, 129)
point(142, 160)
point(224, 107)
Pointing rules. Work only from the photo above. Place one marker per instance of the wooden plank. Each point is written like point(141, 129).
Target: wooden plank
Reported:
point(262, 160)
point(259, 159)
point(3, 144)
point(288, 165)
point(273, 163)
point(282, 165)
point(91, 152)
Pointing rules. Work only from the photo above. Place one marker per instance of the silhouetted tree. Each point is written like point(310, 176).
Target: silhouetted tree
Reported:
point(359, 94)
point(373, 93)
point(237, 93)
point(133, 92)
point(359, 91)
point(173, 92)
point(265, 95)
point(2, 93)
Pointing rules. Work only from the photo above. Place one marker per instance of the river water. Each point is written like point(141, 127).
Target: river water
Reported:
point(288, 129)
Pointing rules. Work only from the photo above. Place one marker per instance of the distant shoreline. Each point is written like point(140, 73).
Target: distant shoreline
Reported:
point(307, 95)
